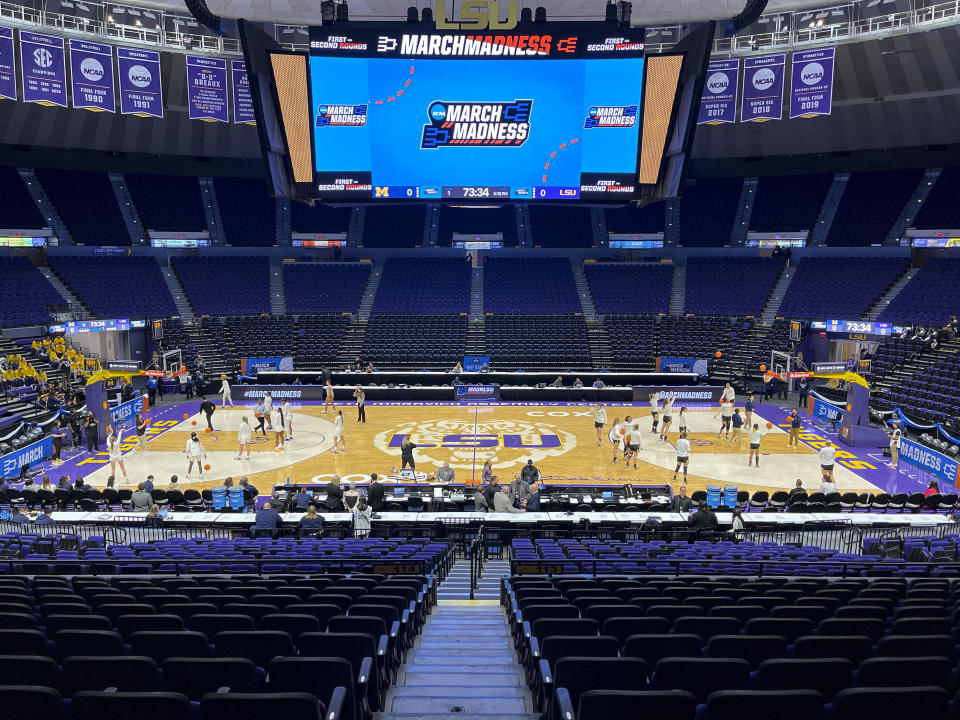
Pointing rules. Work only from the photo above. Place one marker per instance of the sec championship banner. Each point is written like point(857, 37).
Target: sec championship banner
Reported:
point(8, 65)
point(140, 90)
point(811, 82)
point(719, 102)
point(207, 88)
point(242, 102)
point(91, 76)
point(937, 464)
point(44, 69)
point(762, 88)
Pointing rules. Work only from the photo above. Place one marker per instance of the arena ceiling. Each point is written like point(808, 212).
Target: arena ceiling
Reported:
point(650, 12)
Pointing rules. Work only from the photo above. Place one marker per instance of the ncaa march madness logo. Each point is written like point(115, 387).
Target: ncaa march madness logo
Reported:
point(341, 115)
point(507, 442)
point(477, 124)
point(611, 116)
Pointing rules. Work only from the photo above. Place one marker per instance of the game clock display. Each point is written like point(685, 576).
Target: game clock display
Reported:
point(858, 326)
point(455, 116)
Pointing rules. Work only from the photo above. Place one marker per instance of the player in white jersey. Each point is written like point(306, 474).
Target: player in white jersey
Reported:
point(338, 433)
point(636, 444)
point(244, 435)
point(276, 422)
point(599, 420)
point(683, 457)
point(655, 410)
point(225, 391)
point(286, 410)
point(726, 417)
point(755, 434)
point(682, 420)
point(667, 416)
point(268, 409)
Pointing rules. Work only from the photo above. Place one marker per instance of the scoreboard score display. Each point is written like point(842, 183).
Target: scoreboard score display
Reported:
point(558, 112)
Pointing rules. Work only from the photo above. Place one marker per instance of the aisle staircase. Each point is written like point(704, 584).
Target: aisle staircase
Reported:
point(464, 664)
point(601, 354)
point(769, 313)
point(583, 291)
point(45, 206)
point(878, 307)
point(370, 292)
point(178, 293)
point(77, 308)
point(678, 290)
point(278, 302)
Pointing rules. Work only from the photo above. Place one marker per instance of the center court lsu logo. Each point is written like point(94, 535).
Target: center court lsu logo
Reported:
point(477, 124)
point(509, 443)
point(341, 115)
point(611, 116)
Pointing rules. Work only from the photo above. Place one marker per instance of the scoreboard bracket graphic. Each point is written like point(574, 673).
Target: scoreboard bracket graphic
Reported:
point(477, 124)
point(341, 115)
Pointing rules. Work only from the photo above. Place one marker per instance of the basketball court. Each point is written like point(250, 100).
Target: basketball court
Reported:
point(560, 438)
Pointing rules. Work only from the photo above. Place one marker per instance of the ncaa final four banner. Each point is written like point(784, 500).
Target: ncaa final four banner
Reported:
point(242, 101)
point(140, 90)
point(8, 65)
point(91, 76)
point(811, 83)
point(762, 88)
point(207, 88)
point(44, 69)
point(718, 104)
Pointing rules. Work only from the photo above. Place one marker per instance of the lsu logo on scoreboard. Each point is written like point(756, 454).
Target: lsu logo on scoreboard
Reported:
point(341, 115)
point(611, 116)
point(477, 124)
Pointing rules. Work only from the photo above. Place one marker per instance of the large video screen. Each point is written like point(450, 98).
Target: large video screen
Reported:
point(455, 116)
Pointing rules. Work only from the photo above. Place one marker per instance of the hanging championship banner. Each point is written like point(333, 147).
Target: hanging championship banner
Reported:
point(8, 65)
point(44, 69)
point(207, 88)
point(140, 90)
point(242, 102)
point(762, 88)
point(811, 82)
point(91, 76)
point(719, 101)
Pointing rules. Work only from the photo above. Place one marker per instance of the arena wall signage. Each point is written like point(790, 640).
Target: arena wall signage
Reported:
point(762, 88)
point(928, 460)
point(127, 411)
point(207, 88)
point(811, 82)
point(44, 69)
point(718, 103)
point(682, 393)
point(140, 90)
point(11, 463)
point(91, 76)
point(8, 65)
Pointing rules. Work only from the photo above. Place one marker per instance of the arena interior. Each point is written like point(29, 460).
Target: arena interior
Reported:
point(491, 360)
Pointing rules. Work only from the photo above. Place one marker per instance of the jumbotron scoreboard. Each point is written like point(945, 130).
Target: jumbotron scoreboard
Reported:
point(557, 112)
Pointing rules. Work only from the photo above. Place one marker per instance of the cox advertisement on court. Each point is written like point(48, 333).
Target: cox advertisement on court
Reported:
point(937, 464)
point(11, 463)
point(681, 393)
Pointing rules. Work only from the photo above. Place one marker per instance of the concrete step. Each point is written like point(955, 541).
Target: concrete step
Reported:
point(463, 644)
point(445, 699)
point(459, 716)
point(442, 676)
point(434, 656)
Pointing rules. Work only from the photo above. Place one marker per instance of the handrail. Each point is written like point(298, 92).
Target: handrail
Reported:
point(589, 567)
point(477, 555)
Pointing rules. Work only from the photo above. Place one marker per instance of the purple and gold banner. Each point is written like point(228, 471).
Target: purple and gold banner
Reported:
point(44, 69)
point(140, 90)
point(207, 88)
point(811, 82)
point(91, 76)
point(762, 88)
point(8, 65)
point(719, 101)
point(242, 101)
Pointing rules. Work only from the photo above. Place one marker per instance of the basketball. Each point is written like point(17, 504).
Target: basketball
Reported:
point(769, 426)
point(207, 431)
point(718, 354)
point(185, 416)
point(763, 368)
point(194, 422)
point(206, 467)
point(146, 422)
point(183, 368)
point(256, 414)
point(104, 404)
